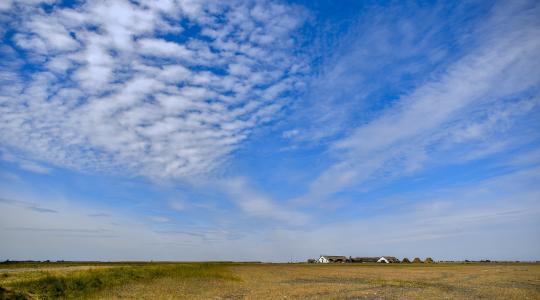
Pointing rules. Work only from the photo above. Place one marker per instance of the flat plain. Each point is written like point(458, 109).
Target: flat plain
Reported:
point(269, 281)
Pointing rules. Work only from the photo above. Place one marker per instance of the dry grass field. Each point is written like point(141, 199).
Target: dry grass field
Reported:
point(270, 281)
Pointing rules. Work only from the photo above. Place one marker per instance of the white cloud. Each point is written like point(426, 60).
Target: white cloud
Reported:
point(256, 204)
point(5, 5)
point(110, 94)
point(33, 167)
point(446, 110)
point(479, 220)
point(162, 48)
point(10, 4)
point(291, 133)
point(24, 164)
point(178, 205)
point(160, 219)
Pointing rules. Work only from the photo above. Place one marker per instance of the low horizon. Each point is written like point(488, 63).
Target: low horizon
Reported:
point(269, 130)
point(485, 260)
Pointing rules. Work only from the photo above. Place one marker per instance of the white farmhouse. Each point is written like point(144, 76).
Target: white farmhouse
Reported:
point(383, 260)
point(387, 259)
point(325, 259)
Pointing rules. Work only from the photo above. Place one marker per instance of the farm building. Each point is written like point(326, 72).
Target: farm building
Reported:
point(388, 259)
point(363, 259)
point(325, 259)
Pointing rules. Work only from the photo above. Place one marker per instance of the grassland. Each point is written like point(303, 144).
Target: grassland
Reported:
point(268, 281)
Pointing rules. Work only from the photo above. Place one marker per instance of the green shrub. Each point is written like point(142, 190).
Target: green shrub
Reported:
point(11, 295)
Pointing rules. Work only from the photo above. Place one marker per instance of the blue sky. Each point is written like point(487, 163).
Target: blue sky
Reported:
point(269, 130)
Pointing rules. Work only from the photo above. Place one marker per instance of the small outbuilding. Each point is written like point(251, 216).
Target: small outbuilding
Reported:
point(388, 259)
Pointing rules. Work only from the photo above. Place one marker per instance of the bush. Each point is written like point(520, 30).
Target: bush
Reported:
point(11, 295)
point(405, 261)
point(417, 260)
point(428, 260)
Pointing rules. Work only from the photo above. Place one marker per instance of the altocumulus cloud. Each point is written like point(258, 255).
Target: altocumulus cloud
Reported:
point(165, 89)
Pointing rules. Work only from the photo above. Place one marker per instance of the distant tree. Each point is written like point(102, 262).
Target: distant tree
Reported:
point(428, 260)
point(405, 261)
point(417, 260)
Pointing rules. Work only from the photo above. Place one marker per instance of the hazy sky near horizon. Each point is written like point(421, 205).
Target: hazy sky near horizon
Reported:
point(269, 130)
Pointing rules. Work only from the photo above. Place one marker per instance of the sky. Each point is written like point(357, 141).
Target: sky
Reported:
point(269, 130)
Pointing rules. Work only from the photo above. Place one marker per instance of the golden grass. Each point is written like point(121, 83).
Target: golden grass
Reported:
point(302, 281)
point(392, 281)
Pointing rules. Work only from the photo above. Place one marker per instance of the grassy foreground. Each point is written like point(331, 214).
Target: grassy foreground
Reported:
point(86, 281)
point(270, 281)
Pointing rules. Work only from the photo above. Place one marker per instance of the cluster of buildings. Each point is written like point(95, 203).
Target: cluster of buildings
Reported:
point(326, 259)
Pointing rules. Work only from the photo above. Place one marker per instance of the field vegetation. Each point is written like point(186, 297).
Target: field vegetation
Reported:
point(269, 281)
point(80, 281)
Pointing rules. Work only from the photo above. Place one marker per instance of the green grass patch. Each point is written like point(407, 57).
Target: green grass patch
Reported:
point(82, 284)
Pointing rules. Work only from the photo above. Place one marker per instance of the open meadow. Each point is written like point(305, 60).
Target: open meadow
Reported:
point(268, 281)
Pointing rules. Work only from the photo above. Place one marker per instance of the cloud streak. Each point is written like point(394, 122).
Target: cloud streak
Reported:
point(29, 206)
point(257, 204)
point(497, 79)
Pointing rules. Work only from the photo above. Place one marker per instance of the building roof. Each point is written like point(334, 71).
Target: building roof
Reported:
point(366, 259)
point(390, 259)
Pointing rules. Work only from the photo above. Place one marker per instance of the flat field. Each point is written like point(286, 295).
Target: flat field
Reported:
point(268, 281)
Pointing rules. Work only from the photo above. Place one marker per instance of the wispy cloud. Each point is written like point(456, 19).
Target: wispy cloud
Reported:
point(25, 164)
point(42, 210)
point(257, 204)
point(490, 83)
point(99, 215)
point(61, 230)
point(160, 219)
point(28, 205)
point(431, 223)
point(178, 205)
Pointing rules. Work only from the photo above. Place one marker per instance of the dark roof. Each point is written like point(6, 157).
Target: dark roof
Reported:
point(334, 256)
point(365, 259)
point(390, 257)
